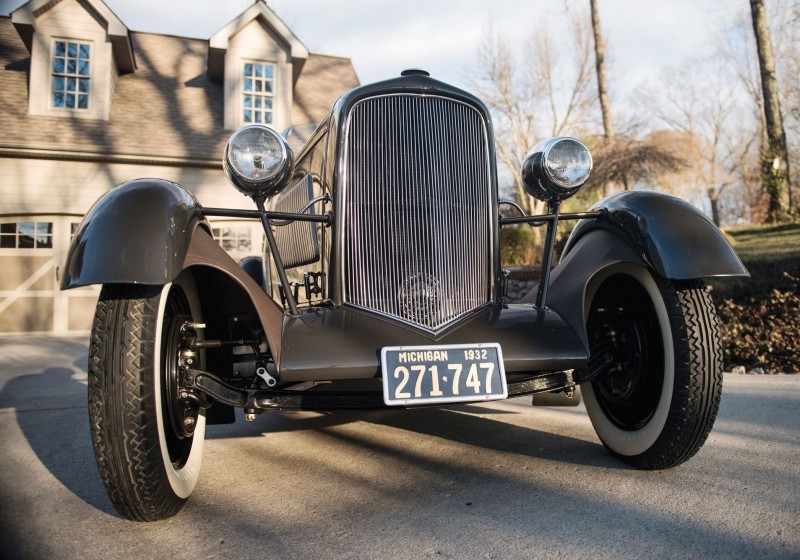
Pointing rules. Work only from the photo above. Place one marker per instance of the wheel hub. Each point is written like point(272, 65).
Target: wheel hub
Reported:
point(182, 409)
point(626, 343)
point(624, 329)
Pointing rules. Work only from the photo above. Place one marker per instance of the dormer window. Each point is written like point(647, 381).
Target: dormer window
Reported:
point(258, 89)
point(71, 75)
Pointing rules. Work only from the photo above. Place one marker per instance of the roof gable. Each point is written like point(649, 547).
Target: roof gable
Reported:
point(220, 41)
point(25, 17)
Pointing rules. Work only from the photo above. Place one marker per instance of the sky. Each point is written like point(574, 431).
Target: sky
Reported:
point(384, 37)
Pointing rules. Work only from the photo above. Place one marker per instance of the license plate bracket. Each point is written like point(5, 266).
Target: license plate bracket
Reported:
point(444, 373)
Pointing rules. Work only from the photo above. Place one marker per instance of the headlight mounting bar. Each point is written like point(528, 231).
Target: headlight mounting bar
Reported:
point(551, 219)
point(265, 216)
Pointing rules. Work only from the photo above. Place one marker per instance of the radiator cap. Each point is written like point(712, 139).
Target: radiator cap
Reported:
point(415, 72)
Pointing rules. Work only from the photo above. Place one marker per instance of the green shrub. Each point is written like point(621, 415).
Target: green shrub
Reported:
point(519, 246)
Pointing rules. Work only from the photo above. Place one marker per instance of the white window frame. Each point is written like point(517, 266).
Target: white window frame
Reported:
point(232, 236)
point(258, 96)
point(47, 234)
point(70, 75)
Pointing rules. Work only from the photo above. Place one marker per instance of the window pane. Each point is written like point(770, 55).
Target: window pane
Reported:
point(268, 118)
point(8, 241)
point(243, 245)
point(58, 99)
point(228, 244)
point(8, 228)
point(84, 51)
point(58, 65)
point(58, 83)
point(27, 231)
point(61, 48)
point(70, 66)
point(256, 85)
point(83, 102)
point(83, 85)
point(83, 67)
point(69, 100)
point(72, 50)
point(71, 83)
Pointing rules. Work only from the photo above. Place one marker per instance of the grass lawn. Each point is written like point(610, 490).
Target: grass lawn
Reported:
point(768, 252)
point(766, 243)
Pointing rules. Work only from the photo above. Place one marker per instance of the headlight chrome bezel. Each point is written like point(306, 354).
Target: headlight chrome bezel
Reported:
point(273, 147)
point(538, 175)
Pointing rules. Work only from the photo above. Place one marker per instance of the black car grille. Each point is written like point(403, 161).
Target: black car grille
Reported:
point(418, 209)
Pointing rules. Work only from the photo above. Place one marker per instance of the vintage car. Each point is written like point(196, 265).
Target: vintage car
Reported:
point(382, 286)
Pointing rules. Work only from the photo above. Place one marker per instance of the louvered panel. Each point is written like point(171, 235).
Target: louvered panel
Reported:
point(297, 242)
point(417, 221)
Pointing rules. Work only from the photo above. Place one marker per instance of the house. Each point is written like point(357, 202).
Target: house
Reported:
point(86, 104)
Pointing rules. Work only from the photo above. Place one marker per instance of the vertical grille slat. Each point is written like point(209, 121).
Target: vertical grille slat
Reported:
point(418, 225)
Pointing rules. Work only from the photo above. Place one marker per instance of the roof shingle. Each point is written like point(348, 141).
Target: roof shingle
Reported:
point(168, 108)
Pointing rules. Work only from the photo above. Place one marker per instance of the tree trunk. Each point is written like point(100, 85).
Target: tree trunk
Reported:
point(775, 156)
point(599, 59)
point(713, 198)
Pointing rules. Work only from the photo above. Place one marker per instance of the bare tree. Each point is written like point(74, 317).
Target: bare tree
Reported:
point(513, 108)
point(775, 160)
point(628, 162)
point(545, 93)
point(599, 64)
point(698, 101)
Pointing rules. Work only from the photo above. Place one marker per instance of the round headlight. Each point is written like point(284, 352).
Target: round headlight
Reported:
point(258, 161)
point(556, 169)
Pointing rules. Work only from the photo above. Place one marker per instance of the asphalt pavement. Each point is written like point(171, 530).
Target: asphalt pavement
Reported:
point(501, 480)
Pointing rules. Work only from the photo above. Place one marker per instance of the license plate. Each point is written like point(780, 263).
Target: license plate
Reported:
point(451, 373)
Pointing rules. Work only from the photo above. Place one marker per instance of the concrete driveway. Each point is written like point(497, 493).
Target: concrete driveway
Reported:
point(504, 480)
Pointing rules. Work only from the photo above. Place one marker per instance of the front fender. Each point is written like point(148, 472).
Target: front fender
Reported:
point(673, 237)
point(137, 233)
point(569, 281)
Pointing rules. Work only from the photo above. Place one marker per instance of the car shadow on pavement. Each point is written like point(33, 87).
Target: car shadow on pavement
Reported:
point(50, 409)
point(459, 425)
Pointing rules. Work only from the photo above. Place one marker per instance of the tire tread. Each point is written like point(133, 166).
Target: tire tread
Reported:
point(698, 375)
point(122, 404)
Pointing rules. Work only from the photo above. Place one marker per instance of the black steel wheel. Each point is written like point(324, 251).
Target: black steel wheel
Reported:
point(656, 401)
point(148, 440)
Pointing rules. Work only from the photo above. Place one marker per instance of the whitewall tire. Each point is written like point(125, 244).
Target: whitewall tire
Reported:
point(655, 403)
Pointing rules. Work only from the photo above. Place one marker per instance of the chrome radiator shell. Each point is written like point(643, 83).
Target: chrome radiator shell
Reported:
point(418, 209)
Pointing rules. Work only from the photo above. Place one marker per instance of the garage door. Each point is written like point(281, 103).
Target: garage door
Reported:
point(32, 254)
point(33, 250)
